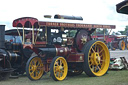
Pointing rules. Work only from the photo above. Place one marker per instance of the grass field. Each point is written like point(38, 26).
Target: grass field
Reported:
point(112, 78)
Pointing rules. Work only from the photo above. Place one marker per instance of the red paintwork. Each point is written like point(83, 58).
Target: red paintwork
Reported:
point(78, 39)
point(74, 25)
point(77, 57)
point(62, 51)
point(73, 50)
point(47, 64)
point(44, 42)
point(30, 46)
point(20, 22)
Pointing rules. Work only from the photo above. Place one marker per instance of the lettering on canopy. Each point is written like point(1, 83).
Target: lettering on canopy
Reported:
point(74, 25)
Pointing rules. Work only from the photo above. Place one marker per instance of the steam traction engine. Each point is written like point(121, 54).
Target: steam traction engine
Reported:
point(122, 8)
point(63, 47)
point(119, 42)
point(13, 57)
point(5, 66)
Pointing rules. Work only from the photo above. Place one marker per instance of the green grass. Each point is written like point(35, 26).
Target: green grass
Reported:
point(119, 77)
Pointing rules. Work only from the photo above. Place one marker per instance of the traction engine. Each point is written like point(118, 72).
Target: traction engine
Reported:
point(12, 55)
point(62, 47)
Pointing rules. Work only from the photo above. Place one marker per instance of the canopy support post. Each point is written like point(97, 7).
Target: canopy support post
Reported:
point(33, 34)
point(23, 36)
point(95, 34)
point(37, 34)
point(19, 35)
point(104, 34)
point(46, 34)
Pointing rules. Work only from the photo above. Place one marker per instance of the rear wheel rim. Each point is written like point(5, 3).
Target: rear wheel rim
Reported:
point(127, 46)
point(98, 59)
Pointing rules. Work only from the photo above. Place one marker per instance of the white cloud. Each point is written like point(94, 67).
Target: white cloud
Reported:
point(93, 11)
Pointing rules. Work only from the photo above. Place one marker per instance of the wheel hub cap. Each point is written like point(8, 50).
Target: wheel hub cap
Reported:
point(34, 67)
point(96, 58)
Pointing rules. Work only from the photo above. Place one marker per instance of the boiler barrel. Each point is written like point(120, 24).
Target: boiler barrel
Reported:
point(2, 36)
point(68, 17)
point(14, 57)
point(52, 52)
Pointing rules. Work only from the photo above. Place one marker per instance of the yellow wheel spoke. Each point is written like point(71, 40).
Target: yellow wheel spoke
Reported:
point(38, 64)
point(32, 73)
point(101, 51)
point(102, 60)
point(93, 50)
point(56, 63)
point(60, 63)
point(99, 68)
point(90, 56)
point(32, 63)
point(35, 61)
point(36, 73)
point(101, 56)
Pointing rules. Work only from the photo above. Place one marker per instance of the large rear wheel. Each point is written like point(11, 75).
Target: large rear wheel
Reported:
point(34, 68)
point(96, 58)
point(59, 68)
point(127, 46)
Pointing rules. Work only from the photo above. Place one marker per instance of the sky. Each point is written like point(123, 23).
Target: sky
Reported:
point(92, 11)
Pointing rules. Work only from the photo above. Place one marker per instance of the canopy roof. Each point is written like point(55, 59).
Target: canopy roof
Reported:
point(28, 22)
point(25, 22)
point(122, 7)
point(14, 32)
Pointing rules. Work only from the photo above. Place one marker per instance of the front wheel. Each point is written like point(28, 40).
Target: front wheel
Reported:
point(34, 68)
point(58, 68)
point(96, 58)
point(112, 47)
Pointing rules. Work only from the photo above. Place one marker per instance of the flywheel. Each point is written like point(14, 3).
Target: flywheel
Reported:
point(81, 38)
